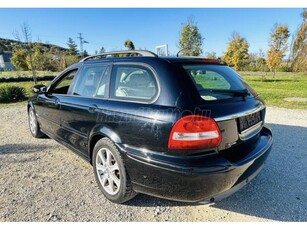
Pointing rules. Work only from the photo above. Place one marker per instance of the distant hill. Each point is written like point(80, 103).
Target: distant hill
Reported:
point(7, 45)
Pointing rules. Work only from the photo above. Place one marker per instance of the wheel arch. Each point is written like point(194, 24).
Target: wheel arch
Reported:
point(30, 104)
point(98, 133)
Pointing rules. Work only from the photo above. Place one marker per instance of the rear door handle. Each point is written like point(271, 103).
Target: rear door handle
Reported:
point(92, 108)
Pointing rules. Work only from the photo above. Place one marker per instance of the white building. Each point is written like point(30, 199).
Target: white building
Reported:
point(5, 62)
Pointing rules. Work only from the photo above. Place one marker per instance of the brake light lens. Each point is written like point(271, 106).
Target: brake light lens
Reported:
point(195, 132)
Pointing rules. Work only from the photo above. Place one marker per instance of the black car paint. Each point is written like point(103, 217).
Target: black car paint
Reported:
point(194, 178)
point(141, 132)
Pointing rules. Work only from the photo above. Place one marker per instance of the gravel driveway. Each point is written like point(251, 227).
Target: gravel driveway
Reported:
point(40, 180)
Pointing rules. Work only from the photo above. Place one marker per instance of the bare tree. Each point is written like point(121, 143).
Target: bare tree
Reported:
point(25, 39)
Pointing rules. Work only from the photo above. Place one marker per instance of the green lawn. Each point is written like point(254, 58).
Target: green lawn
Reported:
point(273, 90)
point(5, 105)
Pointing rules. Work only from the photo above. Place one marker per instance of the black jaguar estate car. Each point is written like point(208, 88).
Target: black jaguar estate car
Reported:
point(181, 128)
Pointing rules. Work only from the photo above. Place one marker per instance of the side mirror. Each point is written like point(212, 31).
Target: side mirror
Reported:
point(38, 89)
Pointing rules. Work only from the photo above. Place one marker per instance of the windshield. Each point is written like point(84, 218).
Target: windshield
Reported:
point(215, 82)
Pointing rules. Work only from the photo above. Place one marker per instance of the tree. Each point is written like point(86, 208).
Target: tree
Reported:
point(252, 57)
point(278, 46)
point(72, 47)
point(237, 51)
point(67, 60)
point(211, 55)
point(261, 62)
point(129, 44)
point(102, 50)
point(55, 59)
point(18, 59)
point(299, 47)
point(63, 63)
point(27, 45)
point(191, 40)
point(40, 59)
point(85, 53)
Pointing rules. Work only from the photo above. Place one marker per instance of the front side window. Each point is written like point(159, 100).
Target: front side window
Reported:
point(63, 85)
point(135, 83)
point(88, 80)
point(215, 82)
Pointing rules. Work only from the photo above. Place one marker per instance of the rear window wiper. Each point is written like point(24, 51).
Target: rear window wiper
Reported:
point(239, 93)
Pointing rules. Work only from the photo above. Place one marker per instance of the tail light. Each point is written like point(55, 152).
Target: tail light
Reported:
point(194, 132)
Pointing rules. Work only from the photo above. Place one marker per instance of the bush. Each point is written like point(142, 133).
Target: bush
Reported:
point(255, 67)
point(284, 67)
point(25, 78)
point(12, 94)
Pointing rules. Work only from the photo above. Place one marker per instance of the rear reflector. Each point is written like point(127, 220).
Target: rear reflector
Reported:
point(194, 132)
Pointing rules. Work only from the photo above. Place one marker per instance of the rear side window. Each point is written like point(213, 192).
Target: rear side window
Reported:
point(215, 82)
point(88, 80)
point(131, 82)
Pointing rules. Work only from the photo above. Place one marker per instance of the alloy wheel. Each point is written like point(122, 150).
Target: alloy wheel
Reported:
point(108, 171)
point(32, 121)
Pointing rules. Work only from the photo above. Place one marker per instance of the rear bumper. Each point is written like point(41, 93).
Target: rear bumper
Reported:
point(193, 179)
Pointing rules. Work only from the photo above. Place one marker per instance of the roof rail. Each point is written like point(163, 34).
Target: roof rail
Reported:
point(144, 53)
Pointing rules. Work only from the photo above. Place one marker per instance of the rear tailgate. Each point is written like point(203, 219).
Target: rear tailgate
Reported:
point(240, 126)
point(239, 121)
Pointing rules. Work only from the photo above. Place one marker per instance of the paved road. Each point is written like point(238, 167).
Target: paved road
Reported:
point(42, 181)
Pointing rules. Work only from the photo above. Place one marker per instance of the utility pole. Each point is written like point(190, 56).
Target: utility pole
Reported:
point(82, 41)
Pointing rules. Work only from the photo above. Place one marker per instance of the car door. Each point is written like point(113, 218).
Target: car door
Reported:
point(79, 109)
point(130, 109)
point(48, 105)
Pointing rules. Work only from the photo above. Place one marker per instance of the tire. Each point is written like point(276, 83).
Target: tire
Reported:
point(110, 172)
point(33, 124)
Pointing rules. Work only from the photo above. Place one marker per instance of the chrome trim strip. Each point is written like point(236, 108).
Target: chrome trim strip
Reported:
point(241, 114)
point(251, 131)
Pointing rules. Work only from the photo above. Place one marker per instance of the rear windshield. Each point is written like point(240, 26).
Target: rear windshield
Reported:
point(215, 82)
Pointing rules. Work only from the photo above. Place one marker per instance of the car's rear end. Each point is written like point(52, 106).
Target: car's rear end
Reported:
point(217, 143)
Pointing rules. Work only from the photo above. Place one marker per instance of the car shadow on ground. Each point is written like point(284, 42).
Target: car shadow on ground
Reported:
point(21, 148)
point(279, 192)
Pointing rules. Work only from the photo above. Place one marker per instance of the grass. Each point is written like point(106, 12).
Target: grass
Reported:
point(6, 105)
point(273, 90)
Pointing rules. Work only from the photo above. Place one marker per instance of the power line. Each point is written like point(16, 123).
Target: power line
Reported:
point(82, 41)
